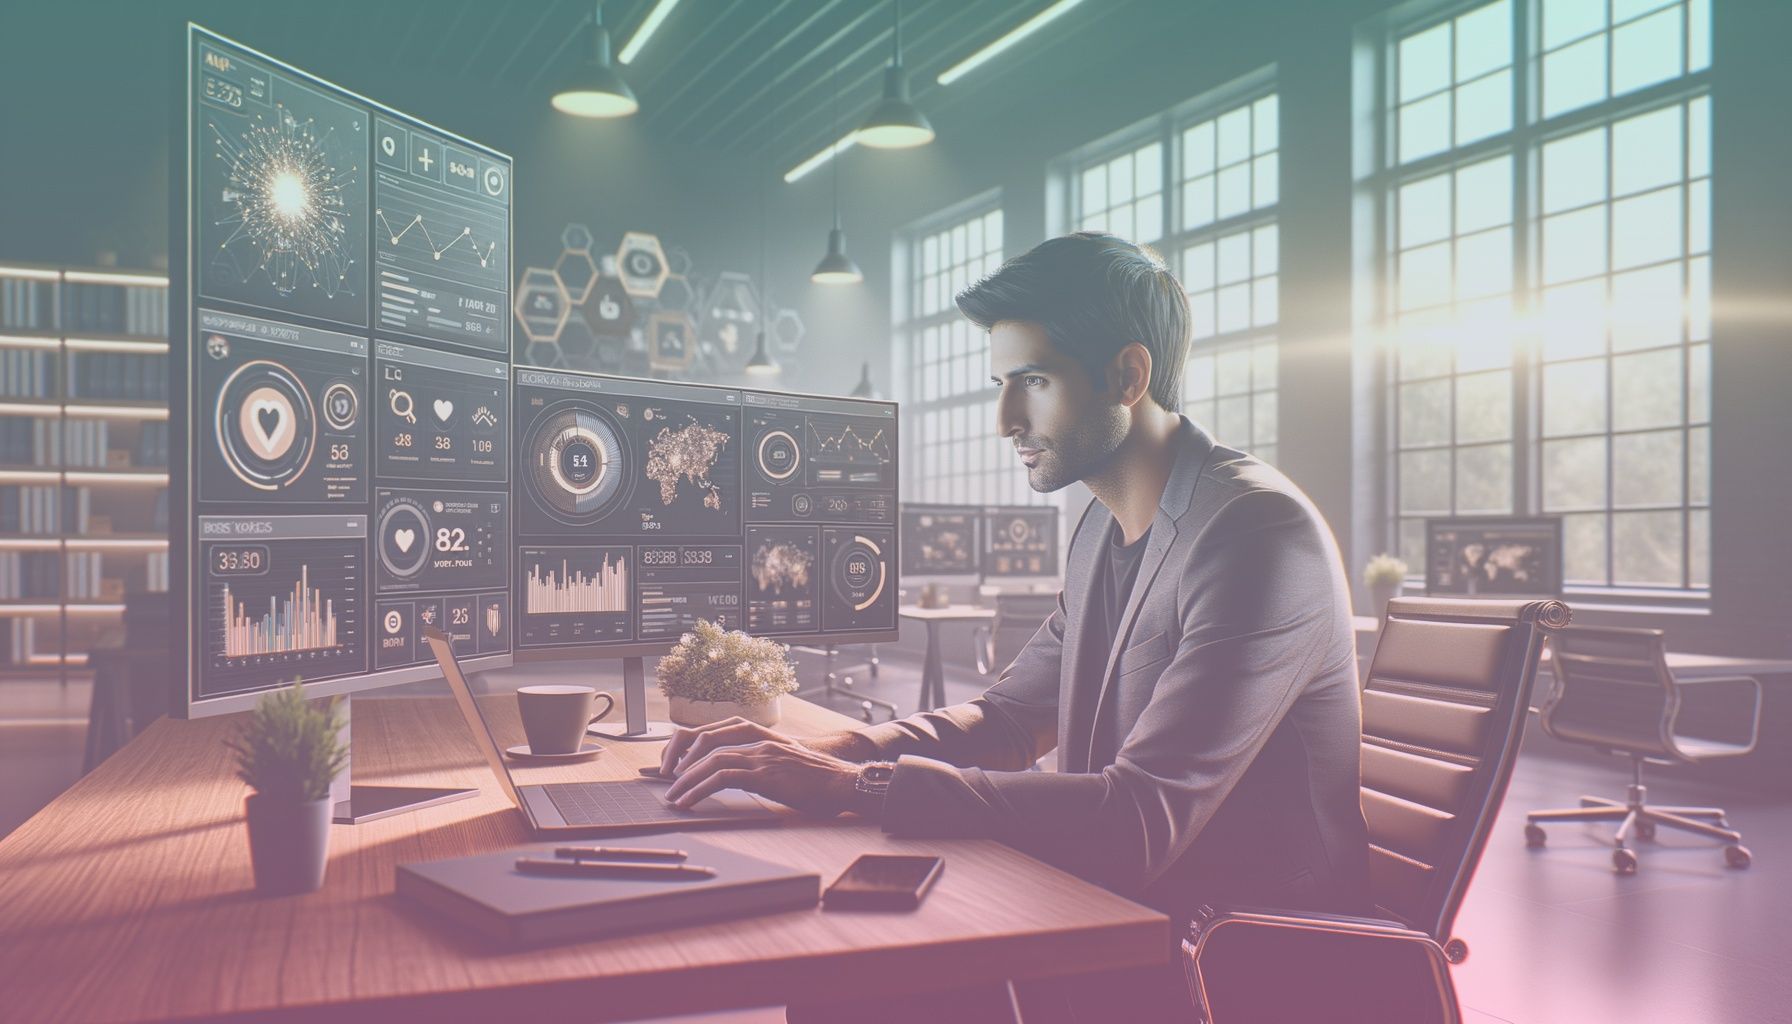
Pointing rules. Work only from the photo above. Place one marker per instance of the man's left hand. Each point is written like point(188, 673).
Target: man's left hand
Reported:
point(775, 767)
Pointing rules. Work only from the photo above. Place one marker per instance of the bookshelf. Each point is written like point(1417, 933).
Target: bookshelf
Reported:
point(83, 458)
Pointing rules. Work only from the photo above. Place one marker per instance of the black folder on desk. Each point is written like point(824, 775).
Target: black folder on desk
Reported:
point(487, 895)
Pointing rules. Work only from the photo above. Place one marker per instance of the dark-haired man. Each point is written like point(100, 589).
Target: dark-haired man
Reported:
point(1198, 679)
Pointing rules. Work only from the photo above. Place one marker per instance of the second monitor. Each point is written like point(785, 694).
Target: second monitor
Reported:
point(648, 505)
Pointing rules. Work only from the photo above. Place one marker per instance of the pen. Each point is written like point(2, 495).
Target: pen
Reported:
point(599, 869)
point(614, 853)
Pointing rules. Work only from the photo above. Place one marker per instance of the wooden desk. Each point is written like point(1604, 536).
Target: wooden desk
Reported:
point(933, 668)
point(129, 898)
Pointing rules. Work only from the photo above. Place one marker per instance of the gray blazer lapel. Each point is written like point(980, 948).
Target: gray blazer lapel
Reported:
point(1192, 449)
point(1079, 579)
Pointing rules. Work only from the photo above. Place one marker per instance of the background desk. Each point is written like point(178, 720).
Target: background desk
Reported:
point(933, 668)
point(129, 898)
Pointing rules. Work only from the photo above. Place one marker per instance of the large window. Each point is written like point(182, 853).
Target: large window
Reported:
point(949, 418)
point(1218, 235)
point(1548, 279)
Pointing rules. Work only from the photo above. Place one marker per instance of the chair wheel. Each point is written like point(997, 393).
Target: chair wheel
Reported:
point(1645, 830)
point(1737, 856)
point(1534, 836)
point(1624, 861)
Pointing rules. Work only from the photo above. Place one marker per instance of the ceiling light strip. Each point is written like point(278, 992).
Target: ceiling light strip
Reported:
point(648, 27)
point(1015, 35)
point(846, 142)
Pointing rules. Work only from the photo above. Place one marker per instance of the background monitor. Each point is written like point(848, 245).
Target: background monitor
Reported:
point(1020, 543)
point(940, 542)
point(341, 386)
point(1494, 556)
point(646, 505)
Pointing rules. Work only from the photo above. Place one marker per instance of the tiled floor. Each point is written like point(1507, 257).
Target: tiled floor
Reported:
point(1556, 937)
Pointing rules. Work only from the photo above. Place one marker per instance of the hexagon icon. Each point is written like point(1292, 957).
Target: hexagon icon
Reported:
point(787, 331)
point(576, 238)
point(671, 342)
point(576, 273)
point(678, 260)
point(678, 293)
point(641, 263)
point(541, 304)
point(577, 342)
point(542, 353)
point(609, 310)
point(731, 314)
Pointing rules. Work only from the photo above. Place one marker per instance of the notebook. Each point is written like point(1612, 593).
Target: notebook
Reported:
point(486, 895)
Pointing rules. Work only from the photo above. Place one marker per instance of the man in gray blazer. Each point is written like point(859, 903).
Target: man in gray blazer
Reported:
point(1198, 678)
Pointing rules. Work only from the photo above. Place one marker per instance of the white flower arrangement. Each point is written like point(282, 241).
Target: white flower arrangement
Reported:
point(714, 664)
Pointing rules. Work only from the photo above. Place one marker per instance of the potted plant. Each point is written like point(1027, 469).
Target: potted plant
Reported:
point(288, 751)
point(714, 673)
point(1384, 576)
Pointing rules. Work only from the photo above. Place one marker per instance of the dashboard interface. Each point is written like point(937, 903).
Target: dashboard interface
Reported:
point(347, 382)
point(644, 506)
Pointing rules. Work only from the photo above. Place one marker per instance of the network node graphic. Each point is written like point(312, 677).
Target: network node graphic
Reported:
point(671, 342)
point(283, 199)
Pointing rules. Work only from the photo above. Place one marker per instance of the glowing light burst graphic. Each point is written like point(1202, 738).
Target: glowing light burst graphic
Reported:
point(288, 203)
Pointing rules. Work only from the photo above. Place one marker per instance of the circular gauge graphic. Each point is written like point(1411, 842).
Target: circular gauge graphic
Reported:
point(404, 538)
point(858, 573)
point(577, 462)
point(779, 455)
point(1019, 531)
point(341, 405)
point(265, 425)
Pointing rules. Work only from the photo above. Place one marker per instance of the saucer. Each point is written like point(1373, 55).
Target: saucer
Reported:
point(521, 752)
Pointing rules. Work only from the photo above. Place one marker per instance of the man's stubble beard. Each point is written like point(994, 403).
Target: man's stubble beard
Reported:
point(1079, 453)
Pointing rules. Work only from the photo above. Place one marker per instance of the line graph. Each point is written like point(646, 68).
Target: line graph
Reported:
point(464, 234)
point(847, 440)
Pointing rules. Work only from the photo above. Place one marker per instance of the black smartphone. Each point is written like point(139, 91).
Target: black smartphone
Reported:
point(881, 881)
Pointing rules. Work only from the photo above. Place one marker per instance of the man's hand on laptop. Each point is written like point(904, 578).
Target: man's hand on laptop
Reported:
point(737, 754)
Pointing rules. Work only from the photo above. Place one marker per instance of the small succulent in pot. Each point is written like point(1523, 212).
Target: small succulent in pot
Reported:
point(290, 751)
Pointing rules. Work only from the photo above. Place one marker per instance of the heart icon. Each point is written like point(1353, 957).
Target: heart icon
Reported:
point(269, 420)
point(404, 539)
point(444, 409)
point(266, 423)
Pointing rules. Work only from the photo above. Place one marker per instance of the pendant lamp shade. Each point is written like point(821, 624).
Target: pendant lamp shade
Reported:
point(896, 123)
point(595, 88)
point(762, 364)
point(837, 267)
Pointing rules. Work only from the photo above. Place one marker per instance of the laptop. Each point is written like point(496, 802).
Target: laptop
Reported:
point(566, 809)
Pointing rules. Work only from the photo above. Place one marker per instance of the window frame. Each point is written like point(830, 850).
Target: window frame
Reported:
point(1378, 188)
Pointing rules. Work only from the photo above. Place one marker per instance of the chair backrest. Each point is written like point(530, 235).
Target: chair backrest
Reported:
point(1443, 712)
point(1613, 690)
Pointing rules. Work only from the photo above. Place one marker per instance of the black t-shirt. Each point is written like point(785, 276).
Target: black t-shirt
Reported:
point(1120, 566)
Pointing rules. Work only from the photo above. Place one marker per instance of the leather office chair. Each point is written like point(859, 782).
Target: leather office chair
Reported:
point(1443, 713)
point(1614, 691)
point(1018, 617)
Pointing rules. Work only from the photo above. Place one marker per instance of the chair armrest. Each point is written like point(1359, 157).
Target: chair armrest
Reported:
point(1690, 686)
point(1209, 921)
point(1210, 918)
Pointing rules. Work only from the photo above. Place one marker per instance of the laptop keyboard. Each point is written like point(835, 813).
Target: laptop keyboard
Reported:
point(612, 803)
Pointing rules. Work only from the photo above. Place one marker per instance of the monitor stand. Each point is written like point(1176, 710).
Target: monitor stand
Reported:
point(635, 727)
point(356, 804)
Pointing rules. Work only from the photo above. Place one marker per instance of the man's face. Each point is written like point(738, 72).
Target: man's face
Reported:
point(1063, 423)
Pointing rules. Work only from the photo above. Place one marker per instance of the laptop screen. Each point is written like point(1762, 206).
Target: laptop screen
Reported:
point(469, 709)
